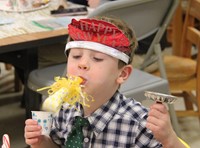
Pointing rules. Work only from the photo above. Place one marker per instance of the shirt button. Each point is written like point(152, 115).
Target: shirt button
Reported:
point(86, 140)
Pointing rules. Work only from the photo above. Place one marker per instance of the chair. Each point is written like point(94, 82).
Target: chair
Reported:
point(183, 72)
point(155, 14)
point(136, 13)
point(12, 86)
point(17, 82)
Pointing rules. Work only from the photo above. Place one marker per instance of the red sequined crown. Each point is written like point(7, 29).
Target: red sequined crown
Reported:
point(99, 31)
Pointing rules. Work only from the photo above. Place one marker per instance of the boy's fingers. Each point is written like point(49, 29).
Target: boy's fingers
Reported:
point(31, 128)
point(30, 121)
point(157, 114)
point(32, 141)
point(154, 120)
point(32, 135)
point(160, 107)
point(154, 128)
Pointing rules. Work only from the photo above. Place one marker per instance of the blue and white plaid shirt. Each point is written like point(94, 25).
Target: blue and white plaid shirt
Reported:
point(118, 123)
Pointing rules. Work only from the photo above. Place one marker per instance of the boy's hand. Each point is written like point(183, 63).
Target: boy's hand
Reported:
point(32, 132)
point(159, 123)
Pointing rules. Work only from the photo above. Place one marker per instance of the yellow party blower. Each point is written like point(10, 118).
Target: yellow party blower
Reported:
point(65, 90)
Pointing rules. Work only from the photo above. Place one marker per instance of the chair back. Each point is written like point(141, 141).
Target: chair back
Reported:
point(191, 36)
point(145, 16)
point(191, 29)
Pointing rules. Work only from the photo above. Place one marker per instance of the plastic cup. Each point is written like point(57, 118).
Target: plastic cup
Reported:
point(44, 119)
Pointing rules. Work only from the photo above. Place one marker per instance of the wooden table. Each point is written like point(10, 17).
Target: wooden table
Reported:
point(21, 52)
point(31, 40)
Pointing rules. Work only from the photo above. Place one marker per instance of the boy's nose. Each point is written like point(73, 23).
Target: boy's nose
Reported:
point(83, 67)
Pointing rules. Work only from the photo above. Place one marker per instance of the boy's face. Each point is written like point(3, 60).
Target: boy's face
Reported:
point(100, 71)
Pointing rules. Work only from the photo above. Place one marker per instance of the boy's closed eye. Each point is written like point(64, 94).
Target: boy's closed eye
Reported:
point(76, 56)
point(95, 58)
point(98, 59)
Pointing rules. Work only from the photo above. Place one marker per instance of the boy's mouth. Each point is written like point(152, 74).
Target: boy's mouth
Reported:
point(83, 81)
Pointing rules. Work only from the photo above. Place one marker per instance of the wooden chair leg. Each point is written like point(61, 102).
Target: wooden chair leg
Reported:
point(188, 101)
point(18, 83)
point(8, 66)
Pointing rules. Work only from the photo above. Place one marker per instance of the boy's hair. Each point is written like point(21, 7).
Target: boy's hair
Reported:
point(127, 31)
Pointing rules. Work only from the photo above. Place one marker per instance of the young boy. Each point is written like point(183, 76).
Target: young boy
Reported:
point(100, 51)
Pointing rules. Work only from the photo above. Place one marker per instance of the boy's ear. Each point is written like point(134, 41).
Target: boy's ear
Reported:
point(124, 73)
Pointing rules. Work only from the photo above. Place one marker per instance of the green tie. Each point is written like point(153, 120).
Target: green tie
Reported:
point(75, 138)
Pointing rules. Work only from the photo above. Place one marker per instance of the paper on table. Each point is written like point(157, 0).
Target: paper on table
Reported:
point(53, 23)
point(4, 21)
